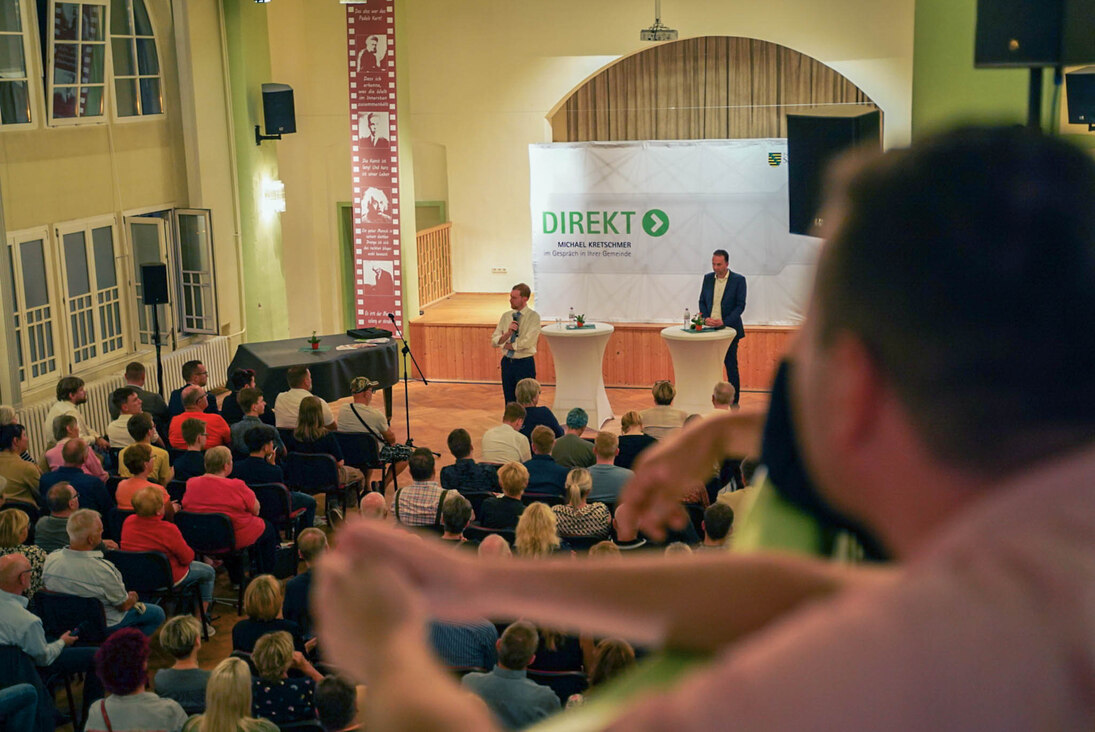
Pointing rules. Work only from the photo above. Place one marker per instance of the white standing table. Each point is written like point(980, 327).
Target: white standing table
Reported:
point(579, 377)
point(697, 364)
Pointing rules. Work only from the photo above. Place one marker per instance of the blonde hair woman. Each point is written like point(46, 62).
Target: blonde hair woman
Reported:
point(275, 696)
point(536, 535)
point(262, 602)
point(527, 392)
point(632, 440)
point(228, 702)
point(576, 517)
point(14, 526)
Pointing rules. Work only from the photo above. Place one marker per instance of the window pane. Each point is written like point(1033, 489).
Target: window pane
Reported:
point(65, 60)
point(14, 103)
point(91, 68)
point(91, 101)
point(102, 241)
point(65, 21)
point(76, 264)
point(92, 29)
point(193, 244)
point(123, 56)
point(147, 61)
point(9, 16)
point(12, 64)
point(64, 101)
point(150, 96)
point(14, 289)
point(146, 245)
point(127, 97)
point(140, 18)
point(33, 260)
point(119, 19)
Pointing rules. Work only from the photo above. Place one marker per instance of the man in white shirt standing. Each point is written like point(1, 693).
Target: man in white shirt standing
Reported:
point(517, 333)
point(505, 443)
point(287, 403)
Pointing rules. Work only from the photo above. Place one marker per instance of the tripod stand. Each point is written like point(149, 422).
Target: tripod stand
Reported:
point(406, 350)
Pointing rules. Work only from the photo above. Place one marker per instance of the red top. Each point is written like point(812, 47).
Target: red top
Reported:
point(130, 487)
point(153, 534)
point(217, 431)
point(213, 494)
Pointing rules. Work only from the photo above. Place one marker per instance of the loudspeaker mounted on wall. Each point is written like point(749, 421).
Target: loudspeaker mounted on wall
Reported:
point(1080, 94)
point(814, 137)
point(1033, 33)
point(278, 113)
point(154, 283)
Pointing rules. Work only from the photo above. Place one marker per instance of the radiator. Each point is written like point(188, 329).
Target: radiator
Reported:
point(213, 353)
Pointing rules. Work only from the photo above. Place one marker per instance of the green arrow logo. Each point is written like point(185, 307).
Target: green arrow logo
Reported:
point(655, 222)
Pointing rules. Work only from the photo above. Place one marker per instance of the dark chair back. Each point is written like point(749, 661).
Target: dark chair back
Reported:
point(550, 499)
point(115, 517)
point(173, 453)
point(476, 499)
point(16, 667)
point(583, 543)
point(311, 473)
point(207, 533)
point(176, 489)
point(61, 613)
point(143, 572)
point(304, 725)
point(563, 683)
point(695, 515)
point(112, 482)
point(287, 438)
point(275, 505)
point(475, 532)
point(359, 449)
point(246, 658)
point(111, 462)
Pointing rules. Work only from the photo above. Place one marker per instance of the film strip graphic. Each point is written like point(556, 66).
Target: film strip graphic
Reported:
point(378, 277)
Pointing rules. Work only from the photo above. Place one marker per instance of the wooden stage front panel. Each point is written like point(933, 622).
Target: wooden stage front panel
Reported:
point(451, 341)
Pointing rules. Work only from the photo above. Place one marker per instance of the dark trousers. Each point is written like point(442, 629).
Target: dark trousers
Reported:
point(731, 363)
point(513, 370)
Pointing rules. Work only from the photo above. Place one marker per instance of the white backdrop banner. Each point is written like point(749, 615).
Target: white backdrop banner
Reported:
point(624, 231)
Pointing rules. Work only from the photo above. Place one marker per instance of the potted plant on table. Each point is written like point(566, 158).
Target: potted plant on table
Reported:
point(314, 341)
point(580, 320)
point(697, 321)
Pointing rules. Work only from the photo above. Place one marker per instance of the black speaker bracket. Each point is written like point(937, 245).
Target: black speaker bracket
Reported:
point(259, 137)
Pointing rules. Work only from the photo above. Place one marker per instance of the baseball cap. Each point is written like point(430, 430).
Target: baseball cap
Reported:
point(361, 383)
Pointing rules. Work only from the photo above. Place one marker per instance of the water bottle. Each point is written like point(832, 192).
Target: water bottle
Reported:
point(687, 319)
point(571, 317)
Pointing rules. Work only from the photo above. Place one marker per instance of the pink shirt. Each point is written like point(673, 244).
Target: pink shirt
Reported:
point(213, 494)
point(991, 627)
point(92, 465)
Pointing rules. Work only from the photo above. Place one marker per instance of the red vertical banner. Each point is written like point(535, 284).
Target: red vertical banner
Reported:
point(370, 43)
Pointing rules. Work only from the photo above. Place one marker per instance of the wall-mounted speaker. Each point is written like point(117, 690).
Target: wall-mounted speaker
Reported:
point(1031, 33)
point(1080, 93)
point(814, 137)
point(278, 113)
point(154, 283)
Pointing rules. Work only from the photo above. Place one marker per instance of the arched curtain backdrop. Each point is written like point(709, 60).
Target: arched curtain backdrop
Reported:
point(700, 88)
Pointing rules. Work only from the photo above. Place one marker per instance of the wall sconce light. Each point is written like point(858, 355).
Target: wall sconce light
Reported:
point(273, 196)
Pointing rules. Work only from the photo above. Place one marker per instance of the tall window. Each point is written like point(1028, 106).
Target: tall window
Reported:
point(34, 316)
point(77, 61)
point(137, 82)
point(92, 294)
point(15, 95)
point(197, 307)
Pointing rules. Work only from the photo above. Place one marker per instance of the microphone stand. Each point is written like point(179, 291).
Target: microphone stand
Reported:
point(406, 375)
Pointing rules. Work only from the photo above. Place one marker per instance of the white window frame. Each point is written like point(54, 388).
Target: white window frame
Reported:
point(107, 66)
point(187, 282)
point(33, 67)
point(167, 311)
point(56, 315)
point(112, 81)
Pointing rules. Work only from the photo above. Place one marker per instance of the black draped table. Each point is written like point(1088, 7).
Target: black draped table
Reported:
point(331, 368)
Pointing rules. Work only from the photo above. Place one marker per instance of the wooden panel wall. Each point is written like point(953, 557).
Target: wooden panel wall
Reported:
point(636, 355)
point(434, 264)
point(713, 87)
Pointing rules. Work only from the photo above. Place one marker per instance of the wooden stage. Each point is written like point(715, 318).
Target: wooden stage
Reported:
point(451, 341)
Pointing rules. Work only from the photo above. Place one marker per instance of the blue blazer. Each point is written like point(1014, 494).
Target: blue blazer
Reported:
point(733, 300)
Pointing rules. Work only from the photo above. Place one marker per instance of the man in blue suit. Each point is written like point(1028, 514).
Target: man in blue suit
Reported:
point(722, 301)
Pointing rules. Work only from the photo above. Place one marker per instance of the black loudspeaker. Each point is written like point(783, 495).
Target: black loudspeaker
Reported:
point(278, 113)
point(1027, 33)
point(814, 137)
point(1080, 89)
point(154, 283)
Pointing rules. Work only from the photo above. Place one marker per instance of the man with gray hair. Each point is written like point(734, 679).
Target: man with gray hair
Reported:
point(80, 569)
point(195, 400)
point(515, 700)
point(570, 450)
point(93, 494)
point(51, 531)
point(723, 396)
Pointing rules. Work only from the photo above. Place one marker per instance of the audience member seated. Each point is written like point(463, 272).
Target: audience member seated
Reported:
point(8, 416)
point(228, 702)
point(195, 399)
point(274, 695)
point(537, 532)
point(612, 657)
point(230, 407)
point(357, 417)
point(66, 428)
point(70, 393)
point(138, 462)
point(374, 507)
point(557, 652)
point(608, 479)
point(527, 392)
point(79, 569)
point(605, 549)
point(262, 602)
point(741, 500)
point(148, 531)
point(465, 645)
point(192, 462)
point(14, 526)
point(419, 504)
point(22, 477)
point(503, 512)
point(677, 547)
point(151, 402)
point(632, 440)
point(545, 476)
point(336, 704)
point(515, 701)
point(259, 467)
point(196, 375)
point(662, 419)
point(577, 517)
point(185, 681)
point(22, 629)
point(50, 533)
point(570, 450)
point(311, 544)
point(723, 396)
point(625, 523)
point(215, 492)
point(93, 493)
point(128, 403)
point(143, 430)
point(718, 523)
point(122, 664)
point(252, 405)
point(312, 437)
point(287, 403)
point(494, 546)
point(505, 443)
point(455, 516)
point(465, 475)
